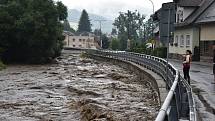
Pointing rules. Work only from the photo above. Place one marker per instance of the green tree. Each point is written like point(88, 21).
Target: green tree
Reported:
point(114, 32)
point(66, 26)
point(105, 41)
point(148, 29)
point(62, 10)
point(84, 24)
point(114, 44)
point(2, 66)
point(122, 41)
point(30, 30)
point(97, 32)
point(128, 26)
point(104, 38)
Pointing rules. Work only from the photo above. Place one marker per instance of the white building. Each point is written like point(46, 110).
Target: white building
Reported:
point(186, 35)
point(194, 29)
point(83, 40)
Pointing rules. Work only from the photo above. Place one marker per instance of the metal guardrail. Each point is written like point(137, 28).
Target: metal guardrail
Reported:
point(179, 103)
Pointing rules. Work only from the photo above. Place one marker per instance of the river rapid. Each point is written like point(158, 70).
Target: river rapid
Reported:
point(75, 89)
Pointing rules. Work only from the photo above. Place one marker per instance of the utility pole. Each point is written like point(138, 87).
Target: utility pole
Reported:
point(129, 25)
point(100, 29)
point(168, 40)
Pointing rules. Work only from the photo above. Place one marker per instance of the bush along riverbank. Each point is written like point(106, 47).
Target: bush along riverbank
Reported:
point(2, 66)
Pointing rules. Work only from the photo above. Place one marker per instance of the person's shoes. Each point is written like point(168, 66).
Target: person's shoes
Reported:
point(188, 81)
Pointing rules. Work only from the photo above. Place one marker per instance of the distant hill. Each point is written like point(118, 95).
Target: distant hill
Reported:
point(74, 16)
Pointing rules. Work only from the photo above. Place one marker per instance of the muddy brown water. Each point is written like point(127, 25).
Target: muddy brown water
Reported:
point(74, 89)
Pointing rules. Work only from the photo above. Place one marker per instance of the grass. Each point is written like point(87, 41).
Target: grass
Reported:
point(2, 66)
point(83, 55)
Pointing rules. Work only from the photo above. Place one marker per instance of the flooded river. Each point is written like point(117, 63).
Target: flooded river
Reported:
point(74, 89)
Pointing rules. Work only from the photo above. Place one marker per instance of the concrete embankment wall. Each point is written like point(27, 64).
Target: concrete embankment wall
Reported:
point(156, 82)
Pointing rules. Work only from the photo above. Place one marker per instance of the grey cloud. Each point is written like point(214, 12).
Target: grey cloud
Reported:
point(111, 8)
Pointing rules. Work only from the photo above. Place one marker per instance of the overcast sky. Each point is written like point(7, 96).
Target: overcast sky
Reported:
point(111, 8)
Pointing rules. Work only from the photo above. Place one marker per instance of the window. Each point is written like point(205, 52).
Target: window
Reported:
point(179, 16)
point(73, 45)
point(182, 41)
point(73, 40)
point(79, 40)
point(187, 40)
point(80, 46)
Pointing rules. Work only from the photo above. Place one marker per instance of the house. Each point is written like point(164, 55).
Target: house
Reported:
point(206, 23)
point(84, 40)
point(161, 18)
point(67, 35)
point(193, 28)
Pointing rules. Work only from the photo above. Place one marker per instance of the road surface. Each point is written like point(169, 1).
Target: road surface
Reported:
point(202, 81)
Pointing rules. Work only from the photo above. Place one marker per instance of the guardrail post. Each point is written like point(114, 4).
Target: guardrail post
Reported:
point(173, 114)
point(184, 102)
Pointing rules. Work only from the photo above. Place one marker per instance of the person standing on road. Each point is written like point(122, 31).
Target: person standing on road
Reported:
point(186, 65)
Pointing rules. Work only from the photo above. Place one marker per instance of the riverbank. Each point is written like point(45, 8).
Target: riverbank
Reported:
point(2, 66)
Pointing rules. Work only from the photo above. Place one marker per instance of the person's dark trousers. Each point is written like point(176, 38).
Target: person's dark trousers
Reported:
point(186, 74)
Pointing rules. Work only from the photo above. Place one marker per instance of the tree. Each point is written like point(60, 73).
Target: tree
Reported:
point(113, 32)
point(114, 44)
point(123, 38)
point(84, 24)
point(104, 38)
point(66, 26)
point(105, 41)
point(97, 32)
point(31, 31)
point(148, 29)
point(129, 26)
point(62, 10)
point(2, 66)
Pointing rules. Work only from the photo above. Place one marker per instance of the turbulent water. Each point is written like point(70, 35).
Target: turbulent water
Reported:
point(74, 89)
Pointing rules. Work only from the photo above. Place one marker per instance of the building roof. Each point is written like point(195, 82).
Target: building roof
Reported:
point(90, 34)
point(208, 15)
point(68, 33)
point(79, 33)
point(156, 16)
point(204, 5)
point(189, 3)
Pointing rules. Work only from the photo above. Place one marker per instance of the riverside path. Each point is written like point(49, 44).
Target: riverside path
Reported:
point(202, 82)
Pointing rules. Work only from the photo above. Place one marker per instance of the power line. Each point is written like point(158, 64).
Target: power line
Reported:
point(100, 25)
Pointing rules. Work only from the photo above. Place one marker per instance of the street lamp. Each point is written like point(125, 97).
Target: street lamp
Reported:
point(153, 10)
point(152, 6)
point(168, 41)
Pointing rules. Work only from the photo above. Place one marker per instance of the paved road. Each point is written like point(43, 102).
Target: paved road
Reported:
point(203, 88)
